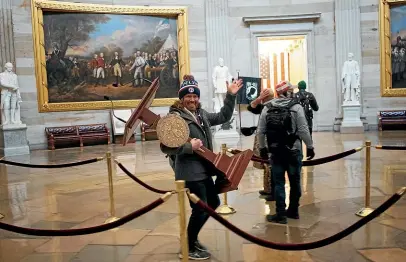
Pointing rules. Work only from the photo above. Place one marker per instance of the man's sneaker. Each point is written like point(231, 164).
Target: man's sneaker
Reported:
point(277, 219)
point(199, 246)
point(197, 255)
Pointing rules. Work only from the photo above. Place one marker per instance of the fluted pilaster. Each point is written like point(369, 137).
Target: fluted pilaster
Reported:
point(6, 32)
point(218, 42)
point(348, 39)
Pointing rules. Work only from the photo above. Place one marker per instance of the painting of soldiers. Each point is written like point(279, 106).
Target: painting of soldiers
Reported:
point(398, 46)
point(112, 55)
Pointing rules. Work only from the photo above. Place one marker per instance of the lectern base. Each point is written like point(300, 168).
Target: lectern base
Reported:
point(225, 210)
point(365, 211)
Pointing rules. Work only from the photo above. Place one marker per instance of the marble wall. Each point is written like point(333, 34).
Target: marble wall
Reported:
point(204, 18)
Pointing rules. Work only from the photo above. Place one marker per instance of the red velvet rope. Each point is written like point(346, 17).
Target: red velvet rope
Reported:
point(79, 163)
point(82, 231)
point(139, 181)
point(312, 162)
point(302, 246)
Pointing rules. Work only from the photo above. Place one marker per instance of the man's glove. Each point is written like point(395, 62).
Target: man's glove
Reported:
point(263, 152)
point(310, 153)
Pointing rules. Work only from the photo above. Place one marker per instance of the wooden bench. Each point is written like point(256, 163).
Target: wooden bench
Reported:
point(78, 135)
point(392, 120)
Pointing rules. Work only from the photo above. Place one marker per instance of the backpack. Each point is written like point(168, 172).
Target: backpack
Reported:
point(279, 133)
point(305, 103)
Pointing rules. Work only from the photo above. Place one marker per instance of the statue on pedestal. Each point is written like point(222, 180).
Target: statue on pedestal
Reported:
point(221, 75)
point(350, 79)
point(10, 96)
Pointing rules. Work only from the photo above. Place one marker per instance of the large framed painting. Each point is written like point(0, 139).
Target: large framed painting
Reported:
point(87, 52)
point(392, 26)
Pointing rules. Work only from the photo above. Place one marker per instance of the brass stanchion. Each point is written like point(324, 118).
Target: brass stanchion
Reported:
point(180, 189)
point(365, 211)
point(112, 217)
point(225, 209)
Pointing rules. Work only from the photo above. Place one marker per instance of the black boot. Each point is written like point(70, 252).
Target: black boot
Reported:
point(292, 213)
point(270, 197)
point(277, 218)
point(264, 193)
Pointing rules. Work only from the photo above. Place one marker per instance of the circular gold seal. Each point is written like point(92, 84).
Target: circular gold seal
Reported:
point(172, 130)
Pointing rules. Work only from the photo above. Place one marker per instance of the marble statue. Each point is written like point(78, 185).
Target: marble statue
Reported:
point(350, 79)
point(221, 75)
point(216, 105)
point(10, 96)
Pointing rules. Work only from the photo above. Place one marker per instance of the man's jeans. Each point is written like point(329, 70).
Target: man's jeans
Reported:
point(293, 166)
point(207, 192)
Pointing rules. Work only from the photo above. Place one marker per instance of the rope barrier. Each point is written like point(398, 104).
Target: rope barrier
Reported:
point(139, 181)
point(87, 230)
point(300, 246)
point(394, 147)
point(327, 159)
point(313, 162)
point(79, 163)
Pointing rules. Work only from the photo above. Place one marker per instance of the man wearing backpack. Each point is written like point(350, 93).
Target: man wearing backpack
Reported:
point(309, 103)
point(283, 128)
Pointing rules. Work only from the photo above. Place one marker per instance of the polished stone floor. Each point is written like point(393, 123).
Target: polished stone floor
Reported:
point(78, 197)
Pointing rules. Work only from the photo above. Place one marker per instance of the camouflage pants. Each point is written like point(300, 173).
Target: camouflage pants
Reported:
point(266, 168)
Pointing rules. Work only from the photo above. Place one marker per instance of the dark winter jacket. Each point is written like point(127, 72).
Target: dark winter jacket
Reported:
point(188, 165)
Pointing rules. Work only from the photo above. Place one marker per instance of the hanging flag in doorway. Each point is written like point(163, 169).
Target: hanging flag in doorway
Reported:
point(250, 90)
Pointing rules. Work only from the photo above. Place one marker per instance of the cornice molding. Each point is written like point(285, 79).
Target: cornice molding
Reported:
point(280, 19)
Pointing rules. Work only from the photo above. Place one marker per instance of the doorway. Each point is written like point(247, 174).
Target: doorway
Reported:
point(282, 58)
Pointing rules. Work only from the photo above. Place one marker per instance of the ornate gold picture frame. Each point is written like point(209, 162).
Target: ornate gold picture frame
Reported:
point(113, 52)
point(392, 31)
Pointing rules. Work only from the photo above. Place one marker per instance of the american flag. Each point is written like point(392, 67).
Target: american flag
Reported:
point(264, 67)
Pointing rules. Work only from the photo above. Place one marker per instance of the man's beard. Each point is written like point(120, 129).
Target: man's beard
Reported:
point(191, 106)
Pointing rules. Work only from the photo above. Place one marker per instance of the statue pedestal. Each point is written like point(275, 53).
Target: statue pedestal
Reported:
point(13, 140)
point(351, 123)
point(227, 133)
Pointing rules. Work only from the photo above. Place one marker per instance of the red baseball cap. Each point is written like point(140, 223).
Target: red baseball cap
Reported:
point(283, 87)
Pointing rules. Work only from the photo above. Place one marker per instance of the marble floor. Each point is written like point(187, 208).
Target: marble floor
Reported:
point(78, 197)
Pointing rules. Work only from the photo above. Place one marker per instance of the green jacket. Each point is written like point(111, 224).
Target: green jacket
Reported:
point(188, 165)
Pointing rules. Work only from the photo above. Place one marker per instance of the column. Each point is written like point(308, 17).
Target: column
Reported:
point(348, 40)
point(218, 42)
point(6, 33)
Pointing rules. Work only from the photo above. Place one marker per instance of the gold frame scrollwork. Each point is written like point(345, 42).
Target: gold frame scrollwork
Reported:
point(385, 49)
point(38, 6)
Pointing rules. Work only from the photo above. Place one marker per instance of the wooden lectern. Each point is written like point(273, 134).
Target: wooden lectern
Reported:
point(233, 167)
point(142, 113)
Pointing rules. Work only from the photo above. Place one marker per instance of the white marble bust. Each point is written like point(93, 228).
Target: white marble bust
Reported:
point(221, 75)
point(350, 80)
point(10, 97)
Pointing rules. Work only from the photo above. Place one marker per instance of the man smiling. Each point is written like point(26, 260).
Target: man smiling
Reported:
point(192, 168)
